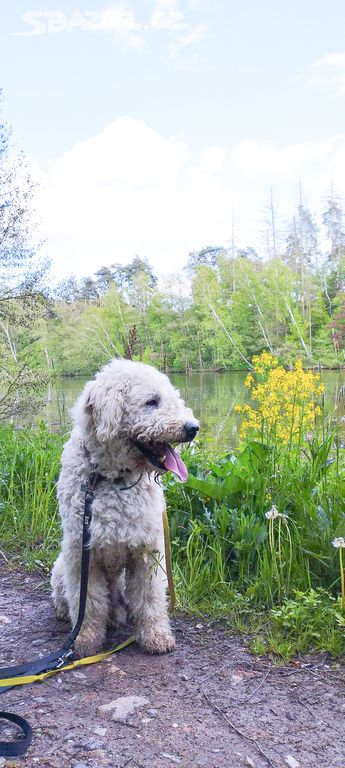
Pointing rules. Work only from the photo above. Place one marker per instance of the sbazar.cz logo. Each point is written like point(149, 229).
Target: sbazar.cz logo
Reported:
point(51, 22)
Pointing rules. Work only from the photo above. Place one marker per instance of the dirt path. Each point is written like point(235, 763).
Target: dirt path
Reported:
point(210, 703)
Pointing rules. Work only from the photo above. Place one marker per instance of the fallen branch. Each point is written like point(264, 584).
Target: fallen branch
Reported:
point(239, 732)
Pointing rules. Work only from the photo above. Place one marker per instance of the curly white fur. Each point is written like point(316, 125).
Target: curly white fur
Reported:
point(127, 547)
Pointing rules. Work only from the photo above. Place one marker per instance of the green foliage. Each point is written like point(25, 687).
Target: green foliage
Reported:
point(29, 523)
point(227, 311)
point(310, 619)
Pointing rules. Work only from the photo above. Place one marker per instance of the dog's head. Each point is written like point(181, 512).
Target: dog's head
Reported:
point(134, 408)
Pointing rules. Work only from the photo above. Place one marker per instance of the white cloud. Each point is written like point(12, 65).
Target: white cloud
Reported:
point(285, 163)
point(329, 71)
point(131, 190)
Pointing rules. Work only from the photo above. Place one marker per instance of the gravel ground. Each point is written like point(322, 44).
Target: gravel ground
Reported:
point(208, 704)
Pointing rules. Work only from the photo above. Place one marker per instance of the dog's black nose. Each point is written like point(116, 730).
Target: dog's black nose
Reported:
point(191, 428)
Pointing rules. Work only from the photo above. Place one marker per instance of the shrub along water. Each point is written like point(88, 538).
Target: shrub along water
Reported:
point(255, 532)
point(256, 526)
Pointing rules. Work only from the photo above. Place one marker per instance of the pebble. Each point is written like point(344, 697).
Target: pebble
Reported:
point(152, 712)
point(248, 761)
point(123, 706)
point(91, 744)
point(79, 675)
point(184, 677)
point(173, 758)
point(291, 761)
point(99, 731)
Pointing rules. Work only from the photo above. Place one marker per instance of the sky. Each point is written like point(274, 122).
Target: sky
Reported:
point(158, 127)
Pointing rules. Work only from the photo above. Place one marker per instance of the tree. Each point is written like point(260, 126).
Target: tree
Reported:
point(206, 257)
point(21, 300)
point(124, 275)
point(332, 218)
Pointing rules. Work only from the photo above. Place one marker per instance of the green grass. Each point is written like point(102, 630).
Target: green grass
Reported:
point(29, 468)
point(277, 581)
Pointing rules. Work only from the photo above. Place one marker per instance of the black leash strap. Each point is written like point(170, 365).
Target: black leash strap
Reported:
point(66, 652)
point(19, 747)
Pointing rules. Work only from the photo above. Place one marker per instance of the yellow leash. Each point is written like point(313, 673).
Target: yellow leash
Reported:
point(25, 679)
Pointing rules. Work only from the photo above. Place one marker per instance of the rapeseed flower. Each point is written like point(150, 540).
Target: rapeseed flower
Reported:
point(284, 402)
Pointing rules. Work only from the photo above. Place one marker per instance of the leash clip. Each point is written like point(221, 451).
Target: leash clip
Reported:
point(64, 657)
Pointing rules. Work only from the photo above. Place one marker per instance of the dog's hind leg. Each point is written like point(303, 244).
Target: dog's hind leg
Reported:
point(58, 589)
point(146, 594)
point(94, 626)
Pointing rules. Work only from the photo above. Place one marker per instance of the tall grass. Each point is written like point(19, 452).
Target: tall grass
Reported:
point(29, 467)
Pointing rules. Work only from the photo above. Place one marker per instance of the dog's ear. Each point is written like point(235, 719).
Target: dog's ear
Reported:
point(103, 408)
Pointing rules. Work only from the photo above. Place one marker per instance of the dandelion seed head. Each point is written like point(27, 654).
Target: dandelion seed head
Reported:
point(272, 513)
point(339, 543)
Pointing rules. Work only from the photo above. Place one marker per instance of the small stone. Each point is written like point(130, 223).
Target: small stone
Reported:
point(123, 706)
point(91, 744)
point(236, 679)
point(4, 620)
point(99, 731)
point(173, 758)
point(291, 761)
point(79, 675)
point(184, 678)
point(248, 761)
point(152, 712)
point(199, 626)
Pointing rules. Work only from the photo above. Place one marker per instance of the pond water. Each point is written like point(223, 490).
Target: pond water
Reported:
point(212, 397)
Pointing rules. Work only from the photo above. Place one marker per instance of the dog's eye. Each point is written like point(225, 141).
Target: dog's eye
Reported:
point(153, 402)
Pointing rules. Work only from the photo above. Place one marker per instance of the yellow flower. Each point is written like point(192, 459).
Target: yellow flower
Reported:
point(284, 402)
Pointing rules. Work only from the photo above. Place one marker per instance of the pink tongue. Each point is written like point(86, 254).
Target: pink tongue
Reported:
point(174, 462)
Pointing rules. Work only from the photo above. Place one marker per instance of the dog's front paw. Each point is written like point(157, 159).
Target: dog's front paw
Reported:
point(87, 644)
point(156, 640)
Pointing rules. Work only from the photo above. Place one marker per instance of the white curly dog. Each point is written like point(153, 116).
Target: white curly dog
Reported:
point(124, 423)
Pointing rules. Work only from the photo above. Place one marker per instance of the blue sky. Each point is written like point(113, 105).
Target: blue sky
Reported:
point(153, 123)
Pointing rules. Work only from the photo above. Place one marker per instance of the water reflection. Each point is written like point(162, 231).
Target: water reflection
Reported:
point(212, 397)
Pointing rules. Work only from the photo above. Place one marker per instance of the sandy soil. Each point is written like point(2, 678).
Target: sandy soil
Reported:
point(210, 703)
